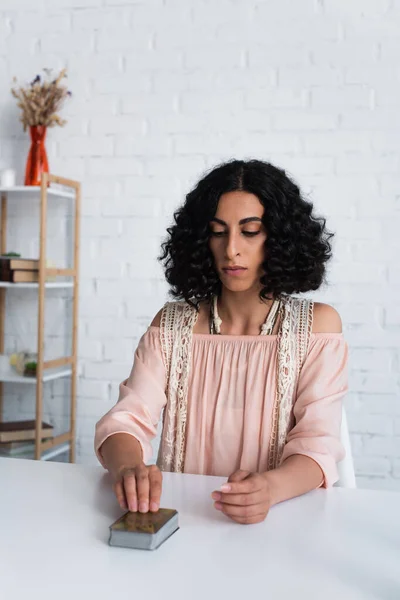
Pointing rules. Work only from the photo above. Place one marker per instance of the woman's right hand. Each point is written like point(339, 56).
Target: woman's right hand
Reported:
point(138, 488)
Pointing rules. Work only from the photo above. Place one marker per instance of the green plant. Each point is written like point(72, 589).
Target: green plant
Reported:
point(30, 368)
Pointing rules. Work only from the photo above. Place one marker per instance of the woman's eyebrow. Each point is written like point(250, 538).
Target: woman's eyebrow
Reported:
point(241, 222)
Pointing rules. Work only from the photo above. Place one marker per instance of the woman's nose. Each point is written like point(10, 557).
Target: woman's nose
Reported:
point(232, 246)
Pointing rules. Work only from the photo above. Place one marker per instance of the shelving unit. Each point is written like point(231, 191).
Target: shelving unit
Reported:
point(65, 366)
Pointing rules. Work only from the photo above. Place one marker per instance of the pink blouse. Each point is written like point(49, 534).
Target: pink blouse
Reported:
point(231, 393)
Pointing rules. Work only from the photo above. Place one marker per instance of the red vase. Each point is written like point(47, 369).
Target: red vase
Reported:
point(37, 157)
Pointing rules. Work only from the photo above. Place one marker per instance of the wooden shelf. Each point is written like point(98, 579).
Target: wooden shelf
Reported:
point(30, 189)
point(50, 285)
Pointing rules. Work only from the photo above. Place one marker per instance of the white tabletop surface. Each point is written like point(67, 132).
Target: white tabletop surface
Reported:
point(328, 544)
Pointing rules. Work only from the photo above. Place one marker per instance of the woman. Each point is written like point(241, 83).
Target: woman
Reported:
point(251, 377)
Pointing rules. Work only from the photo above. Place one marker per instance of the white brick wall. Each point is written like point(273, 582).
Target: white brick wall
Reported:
point(164, 89)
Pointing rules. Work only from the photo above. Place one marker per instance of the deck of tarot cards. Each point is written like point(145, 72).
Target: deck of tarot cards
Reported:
point(144, 531)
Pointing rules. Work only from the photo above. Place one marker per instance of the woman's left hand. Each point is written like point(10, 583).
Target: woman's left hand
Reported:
point(246, 498)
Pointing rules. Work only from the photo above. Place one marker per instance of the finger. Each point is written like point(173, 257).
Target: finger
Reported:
point(129, 486)
point(250, 520)
point(120, 495)
point(155, 479)
point(238, 475)
point(240, 499)
point(143, 487)
point(242, 511)
point(252, 483)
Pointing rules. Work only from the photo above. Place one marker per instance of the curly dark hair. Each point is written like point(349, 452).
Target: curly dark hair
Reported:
point(297, 246)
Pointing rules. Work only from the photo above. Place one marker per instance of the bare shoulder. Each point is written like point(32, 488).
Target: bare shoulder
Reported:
point(157, 319)
point(326, 319)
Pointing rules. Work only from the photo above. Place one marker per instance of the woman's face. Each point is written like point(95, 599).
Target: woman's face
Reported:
point(237, 239)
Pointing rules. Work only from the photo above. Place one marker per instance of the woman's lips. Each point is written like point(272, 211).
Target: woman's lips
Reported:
point(234, 272)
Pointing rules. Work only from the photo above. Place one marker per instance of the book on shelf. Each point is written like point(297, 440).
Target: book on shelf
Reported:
point(19, 270)
point(15, 431)
point(13, 446)
point(24, 449)
point(22, 277)
point(19, 264)
point(19, 449)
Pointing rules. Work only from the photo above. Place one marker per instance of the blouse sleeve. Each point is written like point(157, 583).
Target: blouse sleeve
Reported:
point(322, 384)
point(141, 398)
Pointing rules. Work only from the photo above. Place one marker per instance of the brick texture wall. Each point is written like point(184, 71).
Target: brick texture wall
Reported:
point(164, 89)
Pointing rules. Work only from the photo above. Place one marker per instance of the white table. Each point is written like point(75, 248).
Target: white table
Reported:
point(54, 518)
